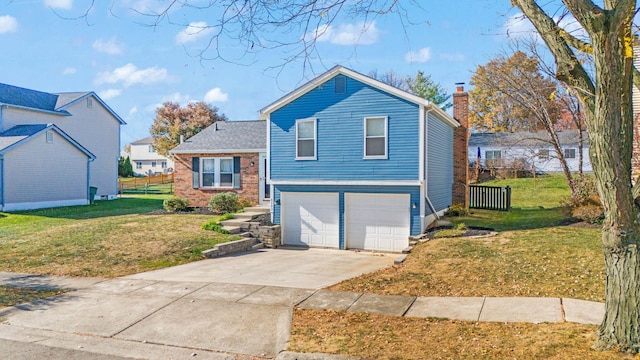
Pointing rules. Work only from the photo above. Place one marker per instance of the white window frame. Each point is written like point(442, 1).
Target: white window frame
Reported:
point(386, 138)
point(150, 149)
point(216, 173)
point(138, 164)
point(315, 139)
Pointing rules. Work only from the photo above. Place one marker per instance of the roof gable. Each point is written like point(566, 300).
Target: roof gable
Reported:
point(340, 70)
point(225, 137)
point(20, 134)
point(65, 100)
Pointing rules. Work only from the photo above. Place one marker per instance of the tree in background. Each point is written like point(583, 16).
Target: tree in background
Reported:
point(125, 169)
point(172, 120)
point(422, 85)
point(510, 95)
point(514, 94)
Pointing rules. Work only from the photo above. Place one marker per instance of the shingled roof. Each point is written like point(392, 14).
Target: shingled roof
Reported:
point(525, 139)
point(225, 137)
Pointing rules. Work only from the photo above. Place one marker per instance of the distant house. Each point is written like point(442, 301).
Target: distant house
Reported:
point(78, 127)
point(146, 161)
point(226, 156)
point(357, 164)
point(528, 149)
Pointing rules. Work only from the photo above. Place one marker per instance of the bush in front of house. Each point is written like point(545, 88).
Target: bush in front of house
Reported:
point(214, 225)
point(174, 204)
point(456, 210)
point(585, 204)
point(228, 202)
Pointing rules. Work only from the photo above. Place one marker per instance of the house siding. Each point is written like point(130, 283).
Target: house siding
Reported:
point(249, 178)
point(94, 128)
point(529, 154)
point(44, 172)
point(340, 135)
point(141, 153)
point(439, 164)
point(413, 191)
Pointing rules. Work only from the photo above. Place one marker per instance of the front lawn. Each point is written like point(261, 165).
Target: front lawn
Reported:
point(532, 255)
point(106, 239)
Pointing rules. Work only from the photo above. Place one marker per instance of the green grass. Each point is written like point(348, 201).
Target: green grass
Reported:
point(106, 239)
point(10, 296)
point(152, 189)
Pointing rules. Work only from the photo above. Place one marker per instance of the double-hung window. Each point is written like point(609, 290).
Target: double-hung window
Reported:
point(569, 153)
point(306, 131)
point(216, 172)
point(375, 137)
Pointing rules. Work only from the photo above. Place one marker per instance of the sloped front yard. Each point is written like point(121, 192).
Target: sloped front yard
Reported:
point(532, 255)
point(107, 239)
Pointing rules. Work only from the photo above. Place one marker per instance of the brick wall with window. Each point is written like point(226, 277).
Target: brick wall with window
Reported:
point(199, 177)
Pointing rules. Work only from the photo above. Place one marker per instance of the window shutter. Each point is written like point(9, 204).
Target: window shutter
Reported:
point(195, 172)
point(236, 172)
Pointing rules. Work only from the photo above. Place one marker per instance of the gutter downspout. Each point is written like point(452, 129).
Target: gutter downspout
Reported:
point(426, 167)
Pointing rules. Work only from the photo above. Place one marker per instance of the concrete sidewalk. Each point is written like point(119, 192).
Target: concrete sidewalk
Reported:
point(135, 318)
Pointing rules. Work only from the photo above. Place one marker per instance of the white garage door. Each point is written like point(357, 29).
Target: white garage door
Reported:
point(310, 219)
point(377, 221)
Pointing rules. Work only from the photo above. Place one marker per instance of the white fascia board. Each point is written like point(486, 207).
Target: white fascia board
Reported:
point(349, 182)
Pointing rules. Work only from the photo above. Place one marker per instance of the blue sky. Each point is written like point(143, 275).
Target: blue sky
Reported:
point(135, 67)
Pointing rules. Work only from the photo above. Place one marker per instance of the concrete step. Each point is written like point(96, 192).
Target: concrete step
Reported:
point(232, 229)
point(233, 222)
point(258, 209)
point(247, 215)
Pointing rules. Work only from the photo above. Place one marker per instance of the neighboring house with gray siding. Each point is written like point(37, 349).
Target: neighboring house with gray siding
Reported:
point(529, 149)
point(146, 161)
point(82, 116)
point(41, 166)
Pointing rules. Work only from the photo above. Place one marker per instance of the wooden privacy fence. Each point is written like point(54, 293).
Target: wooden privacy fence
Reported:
point(144, 181)
point(490, 197)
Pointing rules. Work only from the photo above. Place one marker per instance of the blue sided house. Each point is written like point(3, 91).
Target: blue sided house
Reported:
point(354, 163)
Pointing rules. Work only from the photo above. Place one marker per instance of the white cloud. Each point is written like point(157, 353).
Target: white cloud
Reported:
point(361, 33)
point(109, 93)
point(216, 95)
point(69, 71)
point(129, 75)
point(452, 57)
point(518, 27)
point(8, 24)
point(110, 46)
point(59, 4)
point(421, 56)
point(133, 110)
point(193, 32)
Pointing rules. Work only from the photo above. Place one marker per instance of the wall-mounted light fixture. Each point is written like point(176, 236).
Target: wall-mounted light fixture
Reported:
point(252, 163)
point(414, 205)
point(278, 202)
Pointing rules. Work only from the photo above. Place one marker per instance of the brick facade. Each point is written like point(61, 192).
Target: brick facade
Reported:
point(249, 179)
point(460, 194)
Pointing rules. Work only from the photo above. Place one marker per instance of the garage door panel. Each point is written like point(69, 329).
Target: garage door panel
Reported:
point(377, 221)
point(310, 219)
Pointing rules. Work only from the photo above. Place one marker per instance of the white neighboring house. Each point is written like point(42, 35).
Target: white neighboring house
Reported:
point(524, 149)
point(146, 161)
point(81, 120)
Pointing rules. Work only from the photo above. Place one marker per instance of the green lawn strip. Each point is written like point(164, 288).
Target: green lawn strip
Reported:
point(110, 238)
point(10, 296)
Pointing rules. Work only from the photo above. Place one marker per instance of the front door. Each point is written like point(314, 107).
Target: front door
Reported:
point(265, 189)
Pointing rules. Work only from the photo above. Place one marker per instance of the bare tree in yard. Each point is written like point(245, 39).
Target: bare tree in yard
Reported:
point(421, 85)
point(514, 94)
point(172, 121)
point(390, 78)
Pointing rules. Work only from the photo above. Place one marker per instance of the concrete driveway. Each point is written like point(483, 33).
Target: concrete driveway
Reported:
point(288, 267)
point(212, 309)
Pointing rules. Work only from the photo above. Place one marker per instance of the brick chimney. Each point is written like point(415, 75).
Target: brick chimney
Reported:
point(460, 193)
